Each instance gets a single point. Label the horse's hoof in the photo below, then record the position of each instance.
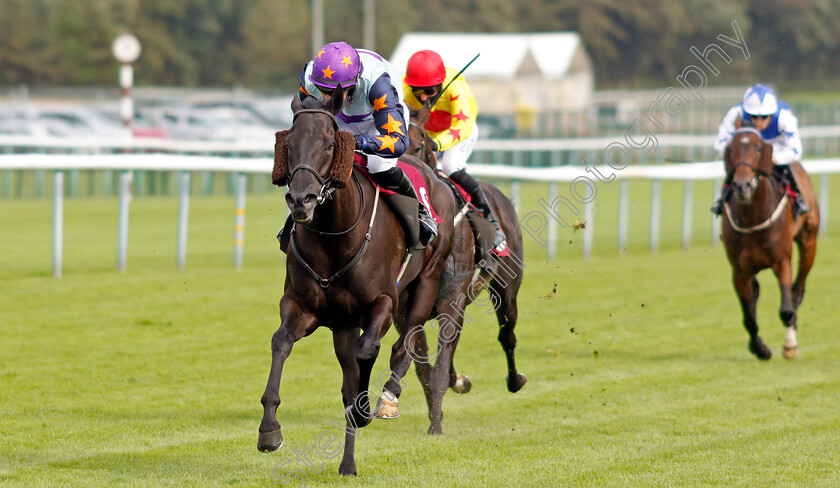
(514, 386)
(760, 350)
(270, 441)
(790, 352)
(347, 468)
(462, 384)
(435, 430)
(387, 409)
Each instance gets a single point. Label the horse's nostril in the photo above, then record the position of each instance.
(289, 200)
(310, 199)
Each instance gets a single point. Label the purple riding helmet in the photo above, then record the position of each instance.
(336, 63)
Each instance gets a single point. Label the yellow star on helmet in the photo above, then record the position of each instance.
(379, 103)
(393, 125)
(346, 61)
(328, 72)
(387, 142)
(321, 52)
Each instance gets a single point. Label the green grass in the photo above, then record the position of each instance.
(153, 377)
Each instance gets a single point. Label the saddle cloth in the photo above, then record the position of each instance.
(417, 181)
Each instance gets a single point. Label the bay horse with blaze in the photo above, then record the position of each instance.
(759, 230)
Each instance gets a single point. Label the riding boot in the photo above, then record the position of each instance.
(799, 205)
(396, 180)
(717, 207)
(470, 184)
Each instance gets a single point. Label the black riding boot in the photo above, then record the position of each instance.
(470, 184)
(788, 178)
(396, 180)
(717, 207)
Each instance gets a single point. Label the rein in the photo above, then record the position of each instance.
(428, 154)
(325, 282)
(758, 173)
(759, 227)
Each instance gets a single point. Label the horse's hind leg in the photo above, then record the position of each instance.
(807, 245)
(507, 312)
(747, 289)
(787, 312)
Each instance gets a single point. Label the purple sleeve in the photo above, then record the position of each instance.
(389, 120)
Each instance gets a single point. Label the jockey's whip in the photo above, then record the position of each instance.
(434, 100)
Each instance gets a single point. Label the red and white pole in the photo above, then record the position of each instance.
(126, 103)
(126, 49)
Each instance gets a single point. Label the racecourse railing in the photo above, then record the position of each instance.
(541, 225)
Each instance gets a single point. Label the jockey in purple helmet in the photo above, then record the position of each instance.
(778, 126)
(374, 113)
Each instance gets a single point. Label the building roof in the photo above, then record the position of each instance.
(502, 55)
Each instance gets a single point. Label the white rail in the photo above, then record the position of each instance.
(544, 233)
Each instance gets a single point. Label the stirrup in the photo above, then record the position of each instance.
(799, 205)
(428, 229)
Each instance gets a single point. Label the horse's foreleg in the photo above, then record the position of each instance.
(378, 320)
(746, 286)
(295, 324)
(344, 343)
(409, 344)
(507, 313)
(787, 312)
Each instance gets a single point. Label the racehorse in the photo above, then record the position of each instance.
(759, 230)
(343, 269)
(501, 276)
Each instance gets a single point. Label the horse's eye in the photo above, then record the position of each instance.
(330, 146)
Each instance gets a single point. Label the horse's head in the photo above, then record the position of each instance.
(746, 159)
(419, 142)
(313, 157)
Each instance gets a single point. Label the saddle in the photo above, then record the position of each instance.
(403, 207)
(483, 231)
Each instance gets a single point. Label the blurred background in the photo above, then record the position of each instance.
(224, 70)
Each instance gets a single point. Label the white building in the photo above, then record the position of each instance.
(523, 74)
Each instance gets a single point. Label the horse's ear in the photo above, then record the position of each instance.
(765, 164)
(343, 155)
(280, 173)
(337, 99)
(738, 123)
(296, 103)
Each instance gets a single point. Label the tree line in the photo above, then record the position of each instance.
(263, 44)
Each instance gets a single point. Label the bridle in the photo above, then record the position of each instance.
(758, 173)
(326, 193)
(427, 152)
(777, 212)
(327, 187)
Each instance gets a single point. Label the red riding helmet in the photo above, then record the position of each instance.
(425, 68)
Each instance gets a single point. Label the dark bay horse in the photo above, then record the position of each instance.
(463, 280)
(759, 229)
(343, 266)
